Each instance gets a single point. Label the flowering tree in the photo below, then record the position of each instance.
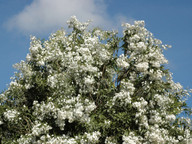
(75, 88)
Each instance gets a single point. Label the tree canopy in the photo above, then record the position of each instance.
(91, 86)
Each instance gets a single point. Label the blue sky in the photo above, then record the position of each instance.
(169, 21)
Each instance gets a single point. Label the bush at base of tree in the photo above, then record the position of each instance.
(75, 89)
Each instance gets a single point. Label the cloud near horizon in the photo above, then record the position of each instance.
(43, 16)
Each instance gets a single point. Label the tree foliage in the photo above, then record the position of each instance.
(93, 86)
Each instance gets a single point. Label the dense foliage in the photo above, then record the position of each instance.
(93, 86)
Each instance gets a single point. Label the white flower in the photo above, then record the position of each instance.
(1, 122)
(131, 139)
(170, 117)
(93, 137)
(121, 61)
(141, 46)
(89, 80)
(156, 64)
(110, 140)
(11, 114)
(135, 38)
(52, 80)
(107, 122)
(28, 57)
(142, 67)
(123, 96)
(40, 128)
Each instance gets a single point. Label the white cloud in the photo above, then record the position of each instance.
(43, 16)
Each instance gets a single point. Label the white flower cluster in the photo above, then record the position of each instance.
(71, 109)
(86, 138)
(110, 140)
(142, 47)
(1, 122)
(170, 118)
(131, 139)
(10, 115)
(122, 61)
(39, 128)
(92, 137)
(125, 94)
(140, 106)
(25, 69)
(162, 100)
(74, 23)
(143, 66)
(47, 139)
(3, 98)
